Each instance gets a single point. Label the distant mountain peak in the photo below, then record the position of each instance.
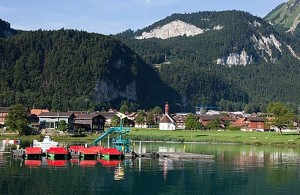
(174, 29)
(286, 16)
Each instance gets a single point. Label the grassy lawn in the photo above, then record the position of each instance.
(253, 138)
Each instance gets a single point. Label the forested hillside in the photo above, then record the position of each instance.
(75, 70)
(238, 59)
(229, 59)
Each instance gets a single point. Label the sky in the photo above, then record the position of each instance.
(114, 16)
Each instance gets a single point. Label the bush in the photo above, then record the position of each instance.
(233, 129)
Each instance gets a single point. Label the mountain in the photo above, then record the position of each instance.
(228, 59)
(286, 17)
(75, 70)
(216, 57)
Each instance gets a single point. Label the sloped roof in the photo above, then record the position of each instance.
(166, 119)
(108, 115)
(38, 111)
(239, 122)
(56, 114)
(256, 119)
(83, 122)
(88, 116)
(4, 109)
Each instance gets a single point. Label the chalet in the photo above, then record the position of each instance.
(239, 123)
(167, 122)
(108, 117)
(90, 122)
(204, 120)
(179, 119)
(3, 114)
(50, 120)
(33, 118)
(254, 124)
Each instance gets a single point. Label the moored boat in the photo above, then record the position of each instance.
(88, 153)
(111, 153)
(45, 144)
(57, 153)
(33, 153)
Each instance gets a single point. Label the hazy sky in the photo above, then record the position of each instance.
(113, 16)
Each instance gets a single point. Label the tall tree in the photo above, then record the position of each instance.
(192, 123)
(17, 119)
(282, 115)
(140, 117)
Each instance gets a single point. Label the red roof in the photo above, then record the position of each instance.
(33, 150)
(111, 151)
(38, 111)
(57, 150)
(88, 151)
(97, 148)
(75, 148)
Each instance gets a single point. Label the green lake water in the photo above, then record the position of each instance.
(235, 169)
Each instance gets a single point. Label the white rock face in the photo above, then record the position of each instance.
(236, 59)
(262, 44)
(106, 91)
(173, 29)
(292, 51)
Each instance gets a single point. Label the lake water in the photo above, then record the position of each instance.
(235, 169)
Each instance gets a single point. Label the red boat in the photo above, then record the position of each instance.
(88, 153)
(111, 153)
(57, 153)
(33, 153)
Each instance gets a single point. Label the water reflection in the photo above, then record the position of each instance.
(119, 173)
(234, 170)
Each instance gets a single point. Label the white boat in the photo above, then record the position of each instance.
(45, 144)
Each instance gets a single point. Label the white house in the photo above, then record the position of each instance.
(166, 122)
(50, 120)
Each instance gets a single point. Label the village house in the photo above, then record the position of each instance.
(205, 120)
(254, 124)
(179, 119)
(50, 120)
(108, 117)
(33, 118)
(167, 122)
(89, 122)
(3, 114)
